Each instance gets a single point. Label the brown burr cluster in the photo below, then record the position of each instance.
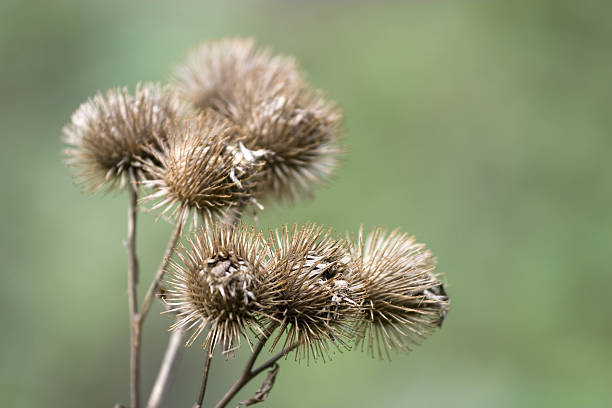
(238, 126)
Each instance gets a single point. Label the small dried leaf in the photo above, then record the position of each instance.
(262, 393)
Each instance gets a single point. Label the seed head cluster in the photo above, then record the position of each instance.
(274, 108)
(323, 293)
(238, 125)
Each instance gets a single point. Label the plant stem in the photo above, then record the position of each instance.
(248, 373)
(175, 344)
(135, 333)
(258, 347)
(154, 288)
(209, 357)
(172, 354)
(274, 359)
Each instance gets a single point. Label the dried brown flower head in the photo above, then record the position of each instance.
(404, 299)
(216, 281)
(215, 74)
(110, 133)
(318, 293)
(300, 129)
(201, 170)
(276, 110)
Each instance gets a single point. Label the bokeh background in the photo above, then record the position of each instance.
(483, 127)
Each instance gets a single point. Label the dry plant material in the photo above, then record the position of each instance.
(301, 130)
(215, 74)
(318, 291)
(275, 109)
(215, 282)
(199, 172)
(264, 390)
(405, 300)
(110, 133)
(240, 124)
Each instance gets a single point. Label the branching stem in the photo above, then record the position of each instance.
(155, 285)
(137, 319)
(273, 359)
(175, 344)
(248, 373)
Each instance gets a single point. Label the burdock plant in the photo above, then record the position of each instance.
(238, 126)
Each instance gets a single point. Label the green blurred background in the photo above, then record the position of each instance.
(483, 127)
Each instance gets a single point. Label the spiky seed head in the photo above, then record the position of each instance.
(274, 107)
(109, 133)
(318, 292)
(215, 73)
(405, 300)
(201, 170)
(302, 132)
(215, 282)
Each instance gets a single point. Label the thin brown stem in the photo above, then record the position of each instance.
(164, 376)
(175, 345)
(135, 333)
(155, 285)
(209, 356)
(248, 373)
(258, 347)
(241, 382)
(274, 359)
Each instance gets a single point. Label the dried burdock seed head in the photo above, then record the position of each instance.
(405, 300)
(201, 170)
(275, 109)
(318, 292)
(109, 134)
(215, 281)
(216, 73)
(301, 130)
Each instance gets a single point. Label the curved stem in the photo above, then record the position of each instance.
(135, 333)
(258, 347)
(209, 357)
(248, 373)
(154, 288)
(172, 354)
(274, 359)
(175, 345)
